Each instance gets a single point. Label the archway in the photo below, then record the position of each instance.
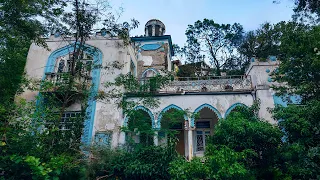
(233, 108)
(150, 72)
(148, 79)
(139, 123)
(205, 118)
(172, 129)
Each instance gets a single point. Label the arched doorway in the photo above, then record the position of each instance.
(205, 119)
(234, 108)
(140, 127)
(172, 128)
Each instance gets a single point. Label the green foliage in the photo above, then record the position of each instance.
(151, 162)
(218, 40)
(182, 169)
(261, 43)
(226, 163)
(34, 149)
(220, 162)
(300, 153)
(243, 132)
(300, 123)
(20, 25)
(305, 10)
(242, 147)
(300, 61)
(308, 5)
(296, 46)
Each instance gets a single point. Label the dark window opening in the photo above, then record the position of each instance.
(203, 124)
(157, 30)
(61, 66)
(177, 126)
(149, 30)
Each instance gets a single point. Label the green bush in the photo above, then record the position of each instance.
(182, 169)
(149, 162)
(225, 163)
(219, 163)
(243, 132)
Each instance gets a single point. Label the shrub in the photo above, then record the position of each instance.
(149, 162)
(182, 169)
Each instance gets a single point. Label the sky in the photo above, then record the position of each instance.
(177, 14)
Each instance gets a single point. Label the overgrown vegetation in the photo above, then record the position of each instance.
(243, 146)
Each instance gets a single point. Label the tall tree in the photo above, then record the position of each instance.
(217, 41)
(263, 42)
(307, 5)
(305, 10)
(300, 60)
(19, 25)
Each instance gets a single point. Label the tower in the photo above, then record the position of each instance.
(154, 27)
(154, 49)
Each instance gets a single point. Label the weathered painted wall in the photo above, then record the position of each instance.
(155, 54)
(262, 81)
(107, 116)
(221, 102)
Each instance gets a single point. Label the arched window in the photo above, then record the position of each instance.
(132, 68)
(61, 66)
(151, 72)
(52, 67)
(234, 108)
(82, 65)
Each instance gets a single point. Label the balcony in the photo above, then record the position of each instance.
(58, 88)
(208, 84)
(56, 81)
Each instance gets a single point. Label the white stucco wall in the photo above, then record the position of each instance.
(221, 102)
(260, 75)
(107, 116)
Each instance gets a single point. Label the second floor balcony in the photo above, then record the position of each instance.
(208, 84)
(204, 84)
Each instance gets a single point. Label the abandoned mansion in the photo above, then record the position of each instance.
(211, 97)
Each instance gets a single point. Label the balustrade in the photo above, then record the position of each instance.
(206, 84)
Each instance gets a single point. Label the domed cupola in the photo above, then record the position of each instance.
(154, 27)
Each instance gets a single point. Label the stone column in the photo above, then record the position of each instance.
(155, 138)
(156, 127)
(190, 138)
(153, 30)
(122, 138)
(190, 144)
(146, 31)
